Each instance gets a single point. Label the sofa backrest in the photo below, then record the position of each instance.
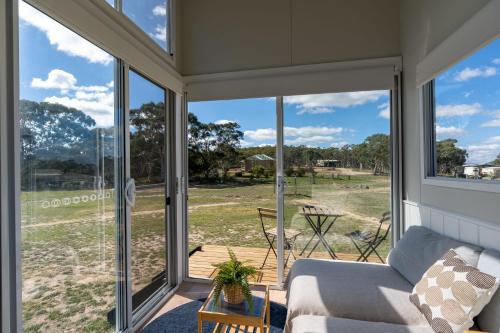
(489, 318)
(421, 247)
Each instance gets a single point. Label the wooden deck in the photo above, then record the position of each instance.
(201, 262)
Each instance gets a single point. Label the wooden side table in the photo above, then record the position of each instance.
(238, 318)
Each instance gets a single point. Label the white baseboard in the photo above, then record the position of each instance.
(463, 228)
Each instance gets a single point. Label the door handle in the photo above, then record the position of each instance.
(130, 192)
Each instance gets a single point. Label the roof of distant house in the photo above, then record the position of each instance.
(260, 157)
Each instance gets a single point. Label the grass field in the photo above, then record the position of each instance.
(69, 237)
(227, 214)
(69, 256)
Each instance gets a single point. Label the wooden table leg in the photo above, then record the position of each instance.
(268, 314)
(200, 324)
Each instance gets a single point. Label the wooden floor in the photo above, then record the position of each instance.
(201, 262)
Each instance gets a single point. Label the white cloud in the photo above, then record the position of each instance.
(451, 130)
(483, 152)
(95, 101)
(470, 73)
(261, 134)
(341, 100)
(315, 111)
(99, 108)
(307, 135)
(458, 110)
(56, 79)
(310, 131)
(160, 32)
(64, 39)
(495, 122)
(496, 61)
(491, 123)
(385, 110)
(310, 141)
(224, 121)
(160, 10)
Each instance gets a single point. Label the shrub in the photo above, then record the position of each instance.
(300, 172)
(289, 172)
(258, 171)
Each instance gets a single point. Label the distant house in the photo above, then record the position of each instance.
(472, 171)
(327, 163)
(260, 159)
(480, 171)
(491, 171)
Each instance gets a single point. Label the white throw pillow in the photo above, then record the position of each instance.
(451, 293)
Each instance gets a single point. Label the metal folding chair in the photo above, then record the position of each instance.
(290, 235)
(367, 242)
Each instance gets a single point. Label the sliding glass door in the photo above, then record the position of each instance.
(148, 174)
(337, 165)
(93, 179)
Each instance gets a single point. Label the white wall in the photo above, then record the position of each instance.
(424, 25)
(232, 35)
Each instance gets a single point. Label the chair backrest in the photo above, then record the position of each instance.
(382, 235)
(266, 213)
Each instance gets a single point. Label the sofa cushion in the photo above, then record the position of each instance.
(451, 293)
(322, 324)
(489, 318)
(421, 247)
(362, 291)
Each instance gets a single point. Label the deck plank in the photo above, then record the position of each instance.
(201, 262)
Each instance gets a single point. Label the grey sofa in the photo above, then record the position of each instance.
(344, 297)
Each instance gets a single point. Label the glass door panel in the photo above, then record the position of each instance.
(337, 174)
(147, 123)
(232, 164)
(69, 162)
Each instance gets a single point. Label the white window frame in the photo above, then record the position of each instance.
(427, 142)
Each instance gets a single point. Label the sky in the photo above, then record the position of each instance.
(468, 104)
(322, 120)
(59, 66)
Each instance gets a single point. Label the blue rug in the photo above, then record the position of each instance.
(184, 319)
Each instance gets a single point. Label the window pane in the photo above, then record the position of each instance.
(152, 16)
(337, 171)
(232, 164)
(68, 224)
(148, 168)
(467, 116)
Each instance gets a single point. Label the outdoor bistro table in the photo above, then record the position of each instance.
(239, 317)
(320, 220)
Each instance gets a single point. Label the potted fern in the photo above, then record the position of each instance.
(232, 278)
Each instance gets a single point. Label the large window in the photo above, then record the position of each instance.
(68, 186)
(152, 16)
(462, 118)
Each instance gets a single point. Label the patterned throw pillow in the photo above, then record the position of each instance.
(451, 293)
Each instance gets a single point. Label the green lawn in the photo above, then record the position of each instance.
(227, 215)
